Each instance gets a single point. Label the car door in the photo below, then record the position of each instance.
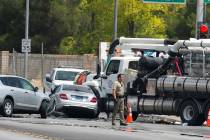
(16, 91)
(31, 98)
(111, 75)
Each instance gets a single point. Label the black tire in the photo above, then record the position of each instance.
(201, 119)
(7, 108)
(95, 114)
(206, 111)
(135, 115)
(189, 113)
(43, 110)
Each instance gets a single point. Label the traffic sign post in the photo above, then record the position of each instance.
(26, 45)
(166, 1)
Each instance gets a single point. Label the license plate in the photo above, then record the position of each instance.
(78, 98)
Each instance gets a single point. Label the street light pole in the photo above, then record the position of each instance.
(199, 15)
(115, 18)
(26, 37)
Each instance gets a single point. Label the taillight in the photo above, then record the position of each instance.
(63, 96)
(93, 100)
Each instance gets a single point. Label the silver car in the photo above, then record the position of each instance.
(18, 95)
(75, 100)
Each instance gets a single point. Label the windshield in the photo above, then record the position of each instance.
(65, 75)
(77, 88)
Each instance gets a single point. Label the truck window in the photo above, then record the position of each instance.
(133, 65)
(113, 67)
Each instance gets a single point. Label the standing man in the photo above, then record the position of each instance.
(118, 96)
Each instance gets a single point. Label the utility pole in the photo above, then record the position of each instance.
(26, 37)
(199, 16)
(115, 18)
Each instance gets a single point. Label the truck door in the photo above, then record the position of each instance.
(111, 73)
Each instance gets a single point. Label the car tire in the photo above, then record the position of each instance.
(43, 110)
(7, 108)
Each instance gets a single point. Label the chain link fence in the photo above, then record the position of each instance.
(41, 64)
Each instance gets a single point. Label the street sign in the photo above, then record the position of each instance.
(26, 45)
(206, 1)
(166, 1)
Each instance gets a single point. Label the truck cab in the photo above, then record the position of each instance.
(116, 66)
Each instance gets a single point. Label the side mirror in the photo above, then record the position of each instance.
(48, 78)
(36, 89)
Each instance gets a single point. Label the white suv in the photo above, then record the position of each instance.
(61, 75)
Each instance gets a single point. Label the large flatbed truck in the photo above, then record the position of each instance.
(178, 84)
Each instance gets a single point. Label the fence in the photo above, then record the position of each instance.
(39, 65)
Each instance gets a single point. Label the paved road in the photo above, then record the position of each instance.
(6, 134)
(85, 129)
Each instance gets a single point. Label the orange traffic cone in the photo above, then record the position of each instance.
(208, 119)
(129, 118)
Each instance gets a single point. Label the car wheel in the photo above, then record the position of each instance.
(43, 110)
(189, 113)
(7, 108)
(95, 114)
(51, 107)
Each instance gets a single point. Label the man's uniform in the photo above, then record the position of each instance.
(119, 104)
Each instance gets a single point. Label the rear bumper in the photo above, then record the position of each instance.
(75, 107)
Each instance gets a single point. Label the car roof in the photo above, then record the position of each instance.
(76, 86)
(69, 69)
(10, 76)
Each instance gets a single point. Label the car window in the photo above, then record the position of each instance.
(133, 65)
(26, 85)
(77, 88)
(13, 82)
(113, 67)
(65, 75)
(4, 80)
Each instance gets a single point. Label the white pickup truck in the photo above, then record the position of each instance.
(61, 75)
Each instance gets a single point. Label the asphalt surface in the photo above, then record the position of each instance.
(32, 127)
(6, 134)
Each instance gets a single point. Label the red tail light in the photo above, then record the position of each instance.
(63, 96)
(93, 100)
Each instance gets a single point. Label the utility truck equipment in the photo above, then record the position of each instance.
(176, 83)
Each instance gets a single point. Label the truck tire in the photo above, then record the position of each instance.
(7, 108)
(135, 115)
(189, 113)
(206, 111)
(43, 110)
